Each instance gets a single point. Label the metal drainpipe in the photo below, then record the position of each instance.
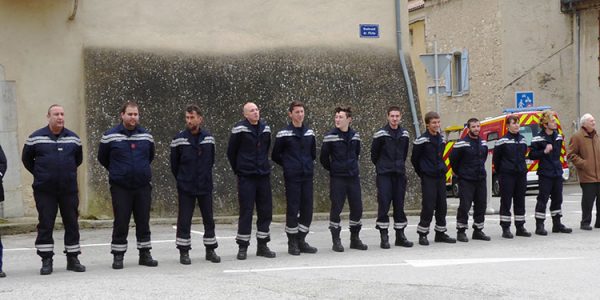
(578, 95)
(411, 97)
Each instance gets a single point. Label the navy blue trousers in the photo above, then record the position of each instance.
(125, 202)
(299, 213)
(391, 190)
(434, 202)
(512, 190)
(339, 189)
(187, 203)
(254, 190)
(471, 193)
(549, 188)
(47, 205)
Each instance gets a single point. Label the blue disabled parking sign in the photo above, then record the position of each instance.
(524, 99)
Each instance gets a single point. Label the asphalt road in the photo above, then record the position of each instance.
(557, 266)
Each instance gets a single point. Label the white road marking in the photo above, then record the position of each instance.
(412, 263)
(452, 262)
(312, 268)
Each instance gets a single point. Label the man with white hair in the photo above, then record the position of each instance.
(584, 149)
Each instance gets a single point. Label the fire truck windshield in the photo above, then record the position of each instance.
(529, 131)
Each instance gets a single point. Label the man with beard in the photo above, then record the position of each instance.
(388, 153)
(126, 151)
(295, 150)
(192, 160)
(52, 154)
(467, 160)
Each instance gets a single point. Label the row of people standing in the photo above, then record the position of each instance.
(53, 154)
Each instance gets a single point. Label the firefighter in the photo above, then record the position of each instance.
(509, 163)
(388, 153)
(248, 155)
(295, 150)
(192, 160)
(52, 154)
(126, 151)
(468, 163)
(427, 159)
(339, 155)
(2, 172)
(546, 148)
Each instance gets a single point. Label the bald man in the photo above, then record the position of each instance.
(248, 154)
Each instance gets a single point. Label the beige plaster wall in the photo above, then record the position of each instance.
(476, 26)
(42, 51)
(590, 65)
(538, 51)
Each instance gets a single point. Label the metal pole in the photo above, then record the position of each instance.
(436, 78)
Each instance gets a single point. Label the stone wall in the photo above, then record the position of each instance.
(367, 78)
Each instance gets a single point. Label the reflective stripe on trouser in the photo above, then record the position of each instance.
(512, 190)
(125, 202)
(391, 189)
(299, 199)
(339, 189)
(471, 192)
(187, 204)
(590, 193)
(47, 205)
(549, 188)
(434, 200)
(254, 190)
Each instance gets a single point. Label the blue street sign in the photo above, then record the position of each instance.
(369, 30)
(524, 99)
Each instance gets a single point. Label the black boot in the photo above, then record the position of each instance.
(2, 274)
(146, 259)
(212, 256)
(303, 245)
(479, 235)
(521, 231)
(557, 226)
(442, 237)
(597, 224)
(385, 240)
(73, 264)
(46, 266)
(335, 238)
(242, 252)
(263, 250)
(539, 227)
(506, 233)
(423, 239)
(293, 248)
(356, 243)
(461, 235)
(117, 261)
(184, 257)
(401, 239)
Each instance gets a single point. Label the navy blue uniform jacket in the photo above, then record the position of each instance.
(427, 155)
(388, 152)
(192, 160)
(127, 155)
(295, 150)
(509, 154)
(468, 157)
(340, 156)
(248, 149)
(53, 160)
(549, 165)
